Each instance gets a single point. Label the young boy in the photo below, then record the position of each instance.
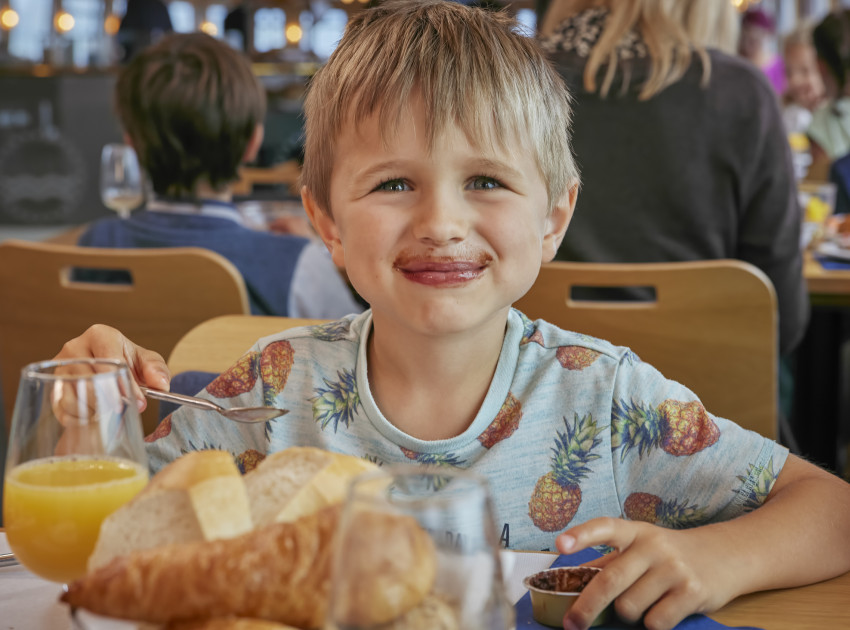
(193, 110)
(438, 173)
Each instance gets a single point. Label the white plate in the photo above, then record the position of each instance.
(85, 620)
(833, 250)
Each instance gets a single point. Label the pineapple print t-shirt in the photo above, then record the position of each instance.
(571, 428)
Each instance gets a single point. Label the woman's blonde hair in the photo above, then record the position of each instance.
(471, 67)
(673, 31)
(708, 23)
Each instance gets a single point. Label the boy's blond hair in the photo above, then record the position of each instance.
(471, 67)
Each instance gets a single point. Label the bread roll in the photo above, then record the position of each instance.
(299, 481)
(280, 572)
(390, 564)
(199, 496)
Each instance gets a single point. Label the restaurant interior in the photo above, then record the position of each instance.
(59, 63)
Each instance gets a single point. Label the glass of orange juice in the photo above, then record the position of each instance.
(76, 454)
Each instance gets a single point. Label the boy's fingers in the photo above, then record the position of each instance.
(669, 611)
(617, 577)
(148, 368)
(636, 599)
(105, 342)
(613, 532)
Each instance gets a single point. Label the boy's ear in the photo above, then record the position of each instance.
(254, 144)
(557, 222)
(325, 227)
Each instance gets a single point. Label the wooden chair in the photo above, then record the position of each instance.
(42, 307)
(216, 344)
(284, 173)
(712, 327)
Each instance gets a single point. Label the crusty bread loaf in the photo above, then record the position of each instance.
(200, 496)
(299, 481)
(280, 572)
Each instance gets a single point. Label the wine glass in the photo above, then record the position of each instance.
(120, 179)
(76, 454)
(418, 547)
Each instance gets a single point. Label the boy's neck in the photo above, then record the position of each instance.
(432, 388)
(204, 191)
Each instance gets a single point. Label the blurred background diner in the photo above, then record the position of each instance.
(719, 131)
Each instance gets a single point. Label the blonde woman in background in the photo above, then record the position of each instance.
(805, 89)
(681, 147)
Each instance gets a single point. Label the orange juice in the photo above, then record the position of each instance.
(53, 508)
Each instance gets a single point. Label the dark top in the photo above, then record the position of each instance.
(266, 261)
(693, 173)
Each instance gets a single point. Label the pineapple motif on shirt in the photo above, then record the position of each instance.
(248, 460)
(755, 495)
(672, 514)
(676, 427)
(530, 332)
(576, 357)
(448, 460)
(272, 366)
(331, 331)
(504, 424)
(336, 403)
(557, 494)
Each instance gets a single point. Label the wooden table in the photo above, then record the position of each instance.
(826, 286)
(822, 606)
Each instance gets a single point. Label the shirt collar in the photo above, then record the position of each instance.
(202, 207)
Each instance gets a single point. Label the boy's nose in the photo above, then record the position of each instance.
(441, 218)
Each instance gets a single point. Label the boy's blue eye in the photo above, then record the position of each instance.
(484, 183)
(392, 185)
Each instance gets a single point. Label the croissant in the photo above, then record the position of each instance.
(279, 572)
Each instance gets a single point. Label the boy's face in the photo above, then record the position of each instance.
(805, 86)
(439, 242)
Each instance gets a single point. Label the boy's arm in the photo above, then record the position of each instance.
(104, 342)
(797, 537)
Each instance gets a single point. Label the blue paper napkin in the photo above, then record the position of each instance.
(832, 263)
(525, 620)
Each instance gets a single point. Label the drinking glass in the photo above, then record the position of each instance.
(76, 454)
(120, 179)
(418, 547)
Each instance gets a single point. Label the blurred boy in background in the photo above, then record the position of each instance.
(193, 110)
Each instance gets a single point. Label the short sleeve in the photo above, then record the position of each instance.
(675, 463)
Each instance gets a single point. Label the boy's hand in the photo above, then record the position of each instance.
(104, 342)
(658, 575)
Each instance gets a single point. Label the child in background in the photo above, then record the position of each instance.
(193, 110)
(438, 173)
(829, 131)
(805, 90)
(757, 44)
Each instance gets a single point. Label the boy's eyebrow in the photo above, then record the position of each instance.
(499, 166)
(485, 165)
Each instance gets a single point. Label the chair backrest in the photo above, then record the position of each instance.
(712, 326)
(41, 306)
(216, 344)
